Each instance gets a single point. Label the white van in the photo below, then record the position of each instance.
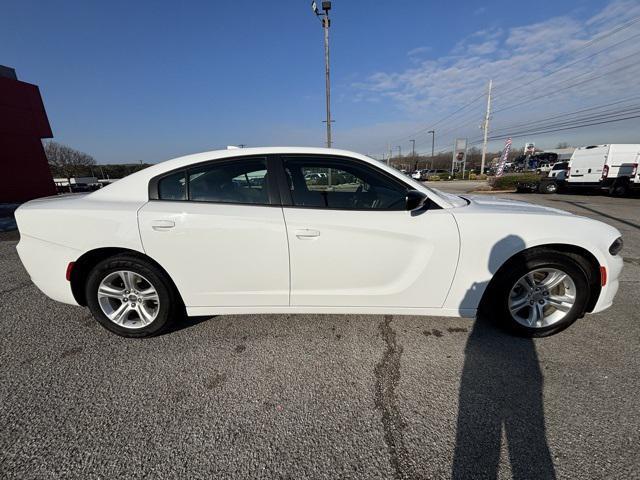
(620, 173)
(602, 165)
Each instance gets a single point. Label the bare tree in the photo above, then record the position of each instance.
(563, 145)
(67, 162)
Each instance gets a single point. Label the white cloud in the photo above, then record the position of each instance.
(521, 61)
(418, 51)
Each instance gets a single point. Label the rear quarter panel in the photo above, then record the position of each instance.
(81, 223)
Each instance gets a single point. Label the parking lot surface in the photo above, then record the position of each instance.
(311, 396)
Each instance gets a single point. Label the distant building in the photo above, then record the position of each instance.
(24, 171)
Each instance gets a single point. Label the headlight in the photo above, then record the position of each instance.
(616, 246)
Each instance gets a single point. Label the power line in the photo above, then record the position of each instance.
(591, 42)
(566, 65)
(566, 128)
(549, 94)
(595, 107)
(594, 116)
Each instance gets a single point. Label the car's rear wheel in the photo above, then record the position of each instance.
(540, 294)
(620, 187)
(131, 297)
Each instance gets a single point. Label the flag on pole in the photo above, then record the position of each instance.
(504, 157)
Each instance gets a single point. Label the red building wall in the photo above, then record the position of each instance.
(24, 171)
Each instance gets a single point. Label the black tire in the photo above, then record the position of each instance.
(548, 187)
(495, 304)
(619, 188)
(170, 305)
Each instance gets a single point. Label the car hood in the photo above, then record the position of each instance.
(453, 200)
(499, 205)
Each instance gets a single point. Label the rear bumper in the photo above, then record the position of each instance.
(608, 292)
(46, 263)
(633, 182)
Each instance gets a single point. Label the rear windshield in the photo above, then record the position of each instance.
(560, 166)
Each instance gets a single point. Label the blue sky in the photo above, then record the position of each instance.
(130, 81)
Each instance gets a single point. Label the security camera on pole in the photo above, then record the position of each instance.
(324, 18)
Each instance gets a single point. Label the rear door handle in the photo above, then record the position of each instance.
(162, 225)
(306, 233)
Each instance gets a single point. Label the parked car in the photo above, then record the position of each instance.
(556, 179)
(613, 167)
(544, 167)
(186, 237)
(559, 171)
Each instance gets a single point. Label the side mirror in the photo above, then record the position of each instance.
(415, 200)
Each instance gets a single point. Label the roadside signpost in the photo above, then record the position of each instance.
(459, 155)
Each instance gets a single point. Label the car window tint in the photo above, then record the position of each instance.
(337, 183)
(239, 181)
(173, 187)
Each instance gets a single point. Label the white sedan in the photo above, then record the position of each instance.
(311, 230)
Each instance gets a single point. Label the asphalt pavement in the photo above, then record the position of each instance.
(322, 396)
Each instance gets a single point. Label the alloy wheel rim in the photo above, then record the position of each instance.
(128, 299)
(542, 298)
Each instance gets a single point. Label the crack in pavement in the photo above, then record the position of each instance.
(20, 286)
(387, 375)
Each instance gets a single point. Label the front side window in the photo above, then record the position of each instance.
(239, 181)
(340, 183)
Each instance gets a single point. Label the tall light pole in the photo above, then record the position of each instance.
(326, 23)
(433, 144)
(413, 154)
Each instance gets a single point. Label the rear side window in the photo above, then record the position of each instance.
(173, 187)
(240, 181)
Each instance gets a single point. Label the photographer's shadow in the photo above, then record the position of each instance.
(500, 390)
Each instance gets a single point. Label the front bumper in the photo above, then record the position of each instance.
(614, 267)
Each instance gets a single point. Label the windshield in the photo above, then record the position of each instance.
(560, 166)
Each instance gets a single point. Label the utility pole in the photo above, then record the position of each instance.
(486, 128)
(326, 22)
(389, 157)
(413, 154)
(433, 144)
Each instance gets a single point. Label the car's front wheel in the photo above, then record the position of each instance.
(131, 297)
(540, 294)
(548, 186)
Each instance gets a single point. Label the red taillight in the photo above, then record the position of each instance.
(635, 170)
(605, 171)
(568, 172)
(603, 276)
(69, 270)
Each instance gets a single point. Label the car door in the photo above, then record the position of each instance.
(218, 230)
(353, 243)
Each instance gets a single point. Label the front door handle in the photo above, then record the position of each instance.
(162, 225)
(306, 233)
